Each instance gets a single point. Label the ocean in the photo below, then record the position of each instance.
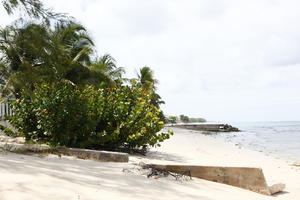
(278, 139)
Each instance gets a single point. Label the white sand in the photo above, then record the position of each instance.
(31, 177)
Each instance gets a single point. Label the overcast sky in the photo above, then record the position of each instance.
(225, 61)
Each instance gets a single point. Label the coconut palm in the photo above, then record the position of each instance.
(34, 52)
(104, 69)
(148, 82)
(75, 48)
(146, 78)
(75, 40)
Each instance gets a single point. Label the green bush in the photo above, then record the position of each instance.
(24, 118)
(126, 118)
(112, 118)
(62, 113)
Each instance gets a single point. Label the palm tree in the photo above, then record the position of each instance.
(74, 38)
(146, 78)
(148, 82)
(34, 53)
(75, 48)
(104, 69)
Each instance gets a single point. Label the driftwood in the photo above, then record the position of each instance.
(164, 173)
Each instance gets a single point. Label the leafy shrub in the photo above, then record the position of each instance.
(63, 114)
(126, 118)
(24, 118)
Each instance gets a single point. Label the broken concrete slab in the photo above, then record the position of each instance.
(24, 148)
(276, 188)
(103, 156)
(243, 177)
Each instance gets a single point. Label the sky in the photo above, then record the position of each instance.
(224, 60)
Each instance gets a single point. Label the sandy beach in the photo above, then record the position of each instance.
(33, 177)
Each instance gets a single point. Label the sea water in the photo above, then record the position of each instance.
(279, 139)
